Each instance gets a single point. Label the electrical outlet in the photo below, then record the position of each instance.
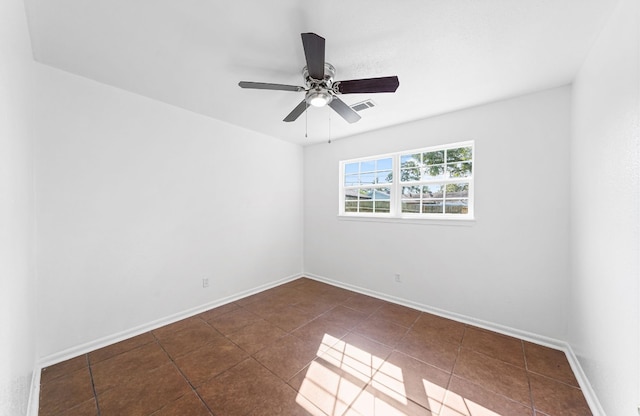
(205, 282)
(397, 278)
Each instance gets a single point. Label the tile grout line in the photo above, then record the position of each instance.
(93, 385)
(464, 333)
(183, 376)
(526, 369)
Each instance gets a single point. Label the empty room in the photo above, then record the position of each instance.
(343, 208)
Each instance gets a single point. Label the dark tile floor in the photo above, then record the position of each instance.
(307, 348)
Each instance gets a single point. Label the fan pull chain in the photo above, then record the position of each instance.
(306, 120)
(329, 142)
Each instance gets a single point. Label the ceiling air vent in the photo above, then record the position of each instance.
(363, 105)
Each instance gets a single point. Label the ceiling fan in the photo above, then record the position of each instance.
(320, 88)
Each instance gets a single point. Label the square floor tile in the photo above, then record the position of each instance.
(381, 330)
(116, 370)
(344, 317)
(467, 398)
(357, 353)
(88, 408)
(363, 303)
(187, 405)
(240, 389)
(288, 356)
(283, 400)
(65, 392)
(329, 388)
(170, 329)
(406, 378)
(220, 310)
(256, 336)
(320, 332)
(313, 306)
(207, 362)
(144, 393)
(190, 339)
(234, 320)
(430, 326)
(555, 398)
(495, 345)
(63, 368)
(373, 402)
(120, 347)
(549, 362)
(494, 375)
(398, 314)
(287, 318)
(434, 351)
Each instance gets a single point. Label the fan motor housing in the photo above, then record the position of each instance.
(318, 90)
(329, 73)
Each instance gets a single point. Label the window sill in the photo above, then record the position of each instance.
(455, 222)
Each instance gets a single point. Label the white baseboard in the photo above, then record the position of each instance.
(72, 352)
(587, 390)
(581, 377)
(132, 332)
(583, 381)
(34, 393)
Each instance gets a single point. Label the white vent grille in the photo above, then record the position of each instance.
(363, 105)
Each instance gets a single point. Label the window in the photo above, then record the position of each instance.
(434, 182)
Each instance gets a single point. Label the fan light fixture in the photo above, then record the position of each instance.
(320, 88)
(318, 98)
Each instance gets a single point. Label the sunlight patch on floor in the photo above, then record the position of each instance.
(344, 375)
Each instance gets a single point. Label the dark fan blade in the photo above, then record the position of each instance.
(267, 86)
(344, 110)
(369, 85)
(296, 112)
(314, 53)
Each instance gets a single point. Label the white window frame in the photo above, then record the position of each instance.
(396, 187)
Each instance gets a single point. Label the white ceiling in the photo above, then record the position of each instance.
(448, 54)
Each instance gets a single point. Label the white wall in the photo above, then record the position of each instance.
(604, 324)
(17, 289)
(137, 201)
(510, 266)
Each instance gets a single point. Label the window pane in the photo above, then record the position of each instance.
(385, 176)
(433, 191)
(457, 206)
(366, 206)
(411, 206)
(367, 178)
(412, 174)
(384, 164)
(411, 192)
(366, 194)
(459, 170)
(350, 168)
(457, 190)
(458, 155)
(382, 206)
(428, 181)
(382, 194)
(408, 161)
(351, 194)
(432, 172)
(368, 166)
(432, 207)
(433, 158)
(351, 180)
(351, 206)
